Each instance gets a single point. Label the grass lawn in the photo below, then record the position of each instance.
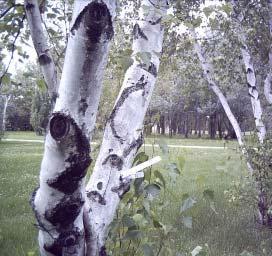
(227, 229)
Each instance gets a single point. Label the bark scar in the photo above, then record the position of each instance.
(140, 85)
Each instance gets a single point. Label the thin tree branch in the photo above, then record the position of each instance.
(12, 49)
(9, 8)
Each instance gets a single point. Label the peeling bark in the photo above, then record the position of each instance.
(268, 80)
(123, 132)
(263, 202)
(250, 75)
(58, 202)
(39, 40)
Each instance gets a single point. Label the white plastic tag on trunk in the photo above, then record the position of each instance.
(136, 171)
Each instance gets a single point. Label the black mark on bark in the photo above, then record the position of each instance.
(65, 240)
(156, 21)
(249, 70)
(151, 68)
(138, 32)
(44, 59)
(77, 160)
(96, 197)
(135, 144)
(66, 211)
(140, 85)
(59, 126)
(96, 19)
(115, 161)
(29, 6)
(99, 185)
(83, 105)
(122, 189)
(103, 251)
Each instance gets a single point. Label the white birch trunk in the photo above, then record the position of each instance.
(7, 99)
(58, 202)
(208, 73)
(250, 75)
(263, 200)
(40, 43)
(268, 80)
(123, 132)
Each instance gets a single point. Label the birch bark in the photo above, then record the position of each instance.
(7, 99)
(208, 73)
(58, 202)
(250, 75)
(263, 197)
(268, 80)
(39, 41)
(123, 132)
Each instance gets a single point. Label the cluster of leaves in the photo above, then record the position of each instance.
(261, 160)
(138, 228)
(40, 110)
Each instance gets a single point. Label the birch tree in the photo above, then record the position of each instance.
(208, 74)
(268, 80)
(58, 202)
(250, 73)
(39, 40)
(123, 132)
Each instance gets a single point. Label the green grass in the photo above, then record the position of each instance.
(22, 135)
(228, 231)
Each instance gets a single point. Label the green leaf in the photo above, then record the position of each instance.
(187, 221)
(172, 167)
(227, 8)
(152, 191)
(140, 158)
(139, 219)
(157, 224)
(132, 235)
(187, 204)
(160, 177)
(144, 58)
(147, 249)
(208, 194)
(6, 79)
(125, 62)
(41, 85)
(207, 11)
(139, 186)
(128, 221)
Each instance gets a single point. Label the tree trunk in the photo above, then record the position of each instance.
(7, 99)
(207, 69)
(123, 132)
(268, 80)
(219, 125)
(263, 202)
(250, 75)
(58, 202)
(43, 51)
(212, 126)
(162, 124)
